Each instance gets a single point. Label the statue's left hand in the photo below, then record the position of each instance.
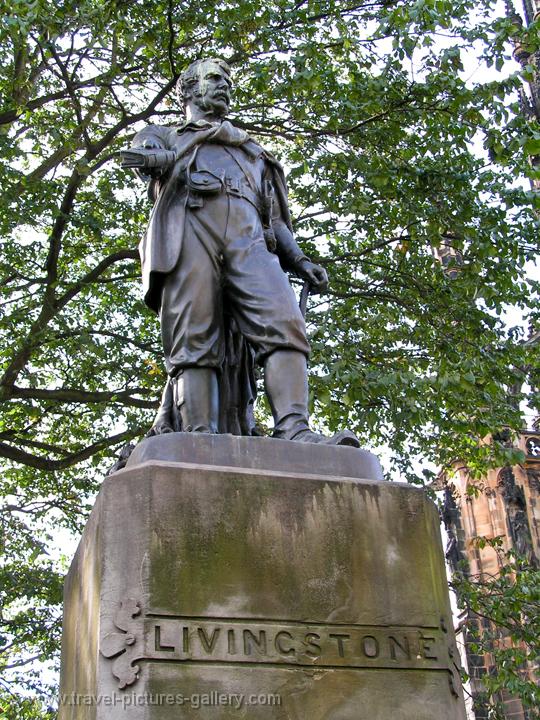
(314, 274)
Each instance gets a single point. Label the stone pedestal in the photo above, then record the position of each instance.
(273, 581)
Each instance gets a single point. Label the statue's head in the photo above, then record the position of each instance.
(206, 84)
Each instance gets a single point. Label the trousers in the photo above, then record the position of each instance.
(225, 267)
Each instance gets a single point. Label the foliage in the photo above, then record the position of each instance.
(367, 105)
(14, 707)
(504, 624)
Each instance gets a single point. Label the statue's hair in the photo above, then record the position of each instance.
(190, 78)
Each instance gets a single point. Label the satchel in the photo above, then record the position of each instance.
(204, 182)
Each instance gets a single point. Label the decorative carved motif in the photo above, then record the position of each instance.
(533, 477)
(125, 646)
(452, 551)
(511, 492)
(516, 512)
(450, 517)
(533, 446)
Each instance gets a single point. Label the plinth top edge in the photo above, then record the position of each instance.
(258, 453)
(254, 472)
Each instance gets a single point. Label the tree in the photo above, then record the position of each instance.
(367, 106)
(503, 621)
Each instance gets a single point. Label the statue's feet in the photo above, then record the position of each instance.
(344, 437)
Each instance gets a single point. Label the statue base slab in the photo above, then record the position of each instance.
(204, 590)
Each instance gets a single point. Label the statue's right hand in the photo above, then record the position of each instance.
(133, 157)
(147, 158)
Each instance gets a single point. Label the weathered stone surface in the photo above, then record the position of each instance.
(197, 588)
(258, 453)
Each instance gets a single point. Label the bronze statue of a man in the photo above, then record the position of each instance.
(214, 257)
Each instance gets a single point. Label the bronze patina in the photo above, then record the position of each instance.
(215, 258)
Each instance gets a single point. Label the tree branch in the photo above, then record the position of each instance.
(93, 274)
(147, 347)
(170, 46)
(51, 304)
(9, 116)
(43, 463)
(73, 395)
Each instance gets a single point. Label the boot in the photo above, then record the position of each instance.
(285, 381)
(164, 420)
(196, 398)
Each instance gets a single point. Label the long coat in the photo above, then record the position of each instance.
(161, 245)
(162, 242)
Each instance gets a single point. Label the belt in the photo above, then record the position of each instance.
(236, 188)
(231, 186)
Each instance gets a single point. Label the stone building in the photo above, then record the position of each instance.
(507, 506)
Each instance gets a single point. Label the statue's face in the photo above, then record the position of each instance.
(213, 93)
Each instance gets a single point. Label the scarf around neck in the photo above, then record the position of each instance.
(200, 132)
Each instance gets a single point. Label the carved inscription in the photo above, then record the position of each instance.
(269, 642)
(156, 637)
